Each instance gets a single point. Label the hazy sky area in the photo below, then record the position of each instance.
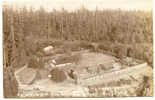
(90, 4)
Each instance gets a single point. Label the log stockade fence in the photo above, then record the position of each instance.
(114, 76)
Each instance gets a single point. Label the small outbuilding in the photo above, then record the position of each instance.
(48, 50)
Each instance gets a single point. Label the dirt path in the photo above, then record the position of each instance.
(17, 71)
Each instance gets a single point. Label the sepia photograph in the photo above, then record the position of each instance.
(77, 48)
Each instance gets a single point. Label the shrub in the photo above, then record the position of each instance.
(34, 63)
(58, 75)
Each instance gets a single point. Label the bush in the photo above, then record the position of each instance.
(56, 43)
(104, 46)
(58, 75)
(34, 63)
